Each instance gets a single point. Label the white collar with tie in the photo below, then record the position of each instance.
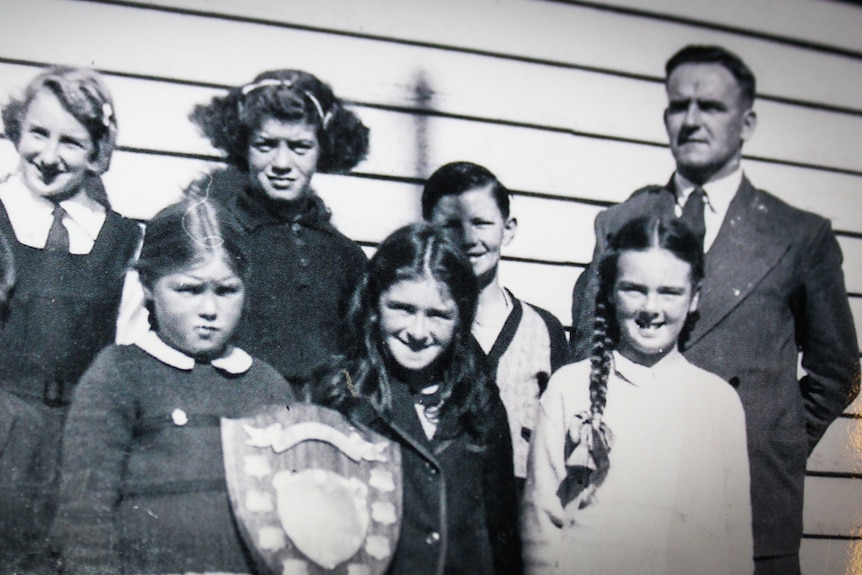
(718, 195)
(31, 216)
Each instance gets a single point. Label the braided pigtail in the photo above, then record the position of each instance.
(600, 360)
(588, 439)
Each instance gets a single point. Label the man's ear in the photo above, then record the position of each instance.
(509, 230)
(695, 299)
(749, 123)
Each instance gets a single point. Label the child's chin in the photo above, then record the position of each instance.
(209, 351)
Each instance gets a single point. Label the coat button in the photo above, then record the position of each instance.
(179, 417)
(432, 538)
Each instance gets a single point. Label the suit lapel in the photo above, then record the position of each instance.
(749, 244)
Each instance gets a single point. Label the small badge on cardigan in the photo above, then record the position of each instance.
(179, 417)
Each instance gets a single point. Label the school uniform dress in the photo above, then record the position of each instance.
(302, 274)
(530, 346)
(143, 486)
(460, 504)
(62, 312)
(676, 498)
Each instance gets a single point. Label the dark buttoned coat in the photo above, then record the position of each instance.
(460, 500)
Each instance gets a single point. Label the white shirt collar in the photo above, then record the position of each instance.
(31, 216)
(234, 361)
(641, 375)
(719, 192)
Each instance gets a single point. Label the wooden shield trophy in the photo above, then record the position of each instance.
(313, 493)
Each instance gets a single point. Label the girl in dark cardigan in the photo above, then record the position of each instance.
(143, 486)
(277, 132)
(412, 373)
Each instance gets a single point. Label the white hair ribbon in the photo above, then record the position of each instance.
(267, 82)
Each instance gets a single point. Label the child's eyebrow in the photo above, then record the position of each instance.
(193, 277)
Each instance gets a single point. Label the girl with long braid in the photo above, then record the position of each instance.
(639, 460)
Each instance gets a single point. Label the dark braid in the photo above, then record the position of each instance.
(600, 359)
(586, 471)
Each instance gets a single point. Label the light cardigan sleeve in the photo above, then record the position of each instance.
(542, 516)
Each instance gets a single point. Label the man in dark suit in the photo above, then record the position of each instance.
(774, 287)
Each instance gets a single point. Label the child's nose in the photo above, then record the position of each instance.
(468, 234)
(417, 329)
(208, 305)
(49, 153)
(651, 303)
(282, 159)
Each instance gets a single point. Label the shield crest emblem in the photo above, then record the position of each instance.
(312, 492)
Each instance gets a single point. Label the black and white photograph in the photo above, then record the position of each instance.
(293, 287)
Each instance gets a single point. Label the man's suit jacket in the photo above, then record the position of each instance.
(774, 286)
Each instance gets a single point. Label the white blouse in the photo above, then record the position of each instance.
(676, 498)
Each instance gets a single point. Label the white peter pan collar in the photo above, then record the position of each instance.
(235, 361)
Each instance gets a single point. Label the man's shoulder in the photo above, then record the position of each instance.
(780, 211)
(643, 201)
(774, 220)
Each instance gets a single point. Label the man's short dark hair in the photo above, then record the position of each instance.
(694, 54)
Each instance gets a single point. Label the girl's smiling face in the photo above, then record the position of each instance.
(418, 318)
(198, 308)
(282, 158)
(57, 151)
(653, 296)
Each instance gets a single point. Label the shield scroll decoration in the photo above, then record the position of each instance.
(313, 493)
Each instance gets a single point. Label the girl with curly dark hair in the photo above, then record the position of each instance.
(413, 373)
(277, 132)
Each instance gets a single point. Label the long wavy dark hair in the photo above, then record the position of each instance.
(413, 252)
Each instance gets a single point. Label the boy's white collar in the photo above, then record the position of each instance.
(234, 361)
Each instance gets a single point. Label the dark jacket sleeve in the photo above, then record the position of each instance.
(98, 431)
(584, 297)
(826, 335)
(501, 494)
